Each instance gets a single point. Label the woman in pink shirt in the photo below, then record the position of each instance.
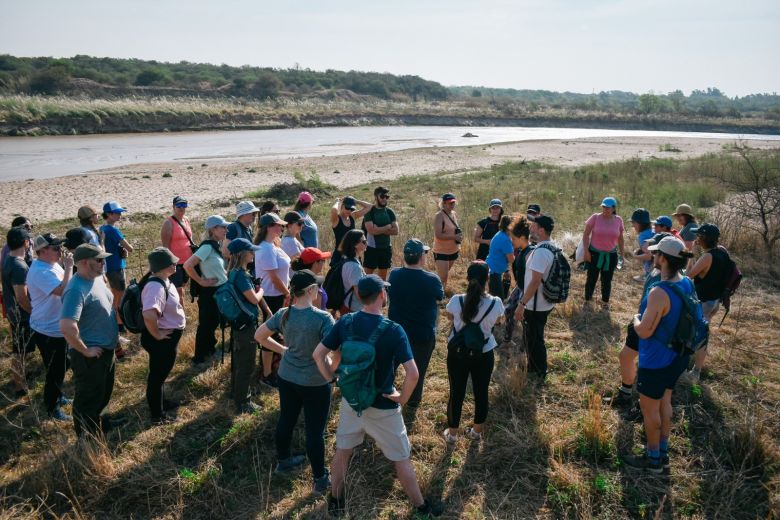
(164, 323)
(603, 243)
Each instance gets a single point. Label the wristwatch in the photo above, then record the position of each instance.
(332, 381)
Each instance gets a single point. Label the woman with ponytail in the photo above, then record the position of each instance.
(500, 257)
(477, 307)
(300, 383)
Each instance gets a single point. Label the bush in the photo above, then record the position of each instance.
(49, 81)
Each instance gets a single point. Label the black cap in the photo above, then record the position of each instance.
(380, 190)
(545, 222)
(534, 208)
(707, 230)
(349, 203)
(293, 217)
(75, 237)
(640, 216)
(302, 279)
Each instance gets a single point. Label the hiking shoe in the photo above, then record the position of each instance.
(291, 463)
(449, 438)
(621, 400)
(473, 434)
(58, 415)
(665, 461)
(633, 414)
(322, 484)
(270, 380)
(638, 278)
(64, 401)
(249, 407)
(690, 377)
(645, 463)
(430, 508)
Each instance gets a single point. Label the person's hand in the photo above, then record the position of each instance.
(586, 257)
(395, 396)
(519, 312)
(67, 260)
(163, 334)
(287, 299)
(209, 282)
(93, 352)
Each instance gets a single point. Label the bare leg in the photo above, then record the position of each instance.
(443, 270)
(698, 359)
(627, 359)
(267, 357)
(666, 414)
(338, 468)
(382, 273)
(651, 411)
(408, 478)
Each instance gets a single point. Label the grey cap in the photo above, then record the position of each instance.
(216, 221)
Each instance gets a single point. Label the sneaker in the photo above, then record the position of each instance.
(123, 341)
(163, 419)
(644, 462)
(633, 414)
(690, 377)
(249, 407)
(119, 352)
(430, 508)
(58, 415)
(621, 400)
(64, 401)
(291, 463)
(322, 484)
(473, 434)
(170, 404)
(665, 461)
(638, 278)
(270, 381)
(449, 438)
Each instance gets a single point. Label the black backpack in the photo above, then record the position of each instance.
(131, 308)
(334, 285)
(734, 278)
(469, 341)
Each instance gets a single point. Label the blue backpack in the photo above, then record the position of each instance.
(234, 309)
(693, 331)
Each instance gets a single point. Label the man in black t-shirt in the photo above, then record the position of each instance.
(380, 224)
(17, 303)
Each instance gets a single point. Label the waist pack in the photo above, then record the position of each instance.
(356, 370)
(469, 341)
(131, 307)
(692, 331)
(232, 306)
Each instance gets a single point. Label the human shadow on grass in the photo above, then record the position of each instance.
(593, 328)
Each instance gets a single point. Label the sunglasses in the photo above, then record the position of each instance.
(364, 241)
(385, 197)
(181, 205)
(99, 260)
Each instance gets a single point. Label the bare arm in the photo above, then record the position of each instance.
(67, 266)
(70, 329)
(263, 336)
(478, 235)
(150, 320)
(586, 241)
(126, 245)
(166, 234)
(393, 228)
(410, 382)
(364, 208)
(22, 297)
(325, 364)
(657, 308)
(528, 293)
(334, 213)
(701, 267)
(621, 244)
(252, 296)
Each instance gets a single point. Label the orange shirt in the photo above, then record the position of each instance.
(446, 246)
(180, 244)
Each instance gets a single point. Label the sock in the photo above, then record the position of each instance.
(664, 446)
(654, 455)
(626, 389)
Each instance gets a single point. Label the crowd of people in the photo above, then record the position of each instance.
(62, 296)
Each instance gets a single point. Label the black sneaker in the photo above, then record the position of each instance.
(249, 407)
(633, 414)
(322, 484)
(291, 463)
(644, 462)
(270, 381)
(336, 506)
(429, 508)
(665, 461)
(621, 400)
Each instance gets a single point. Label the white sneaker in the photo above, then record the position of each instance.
(448, 437)
(123, 340)
(473, 434)
(690, 377)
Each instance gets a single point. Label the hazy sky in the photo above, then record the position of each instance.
(576, 45)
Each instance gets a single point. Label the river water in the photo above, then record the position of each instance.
(46, 157)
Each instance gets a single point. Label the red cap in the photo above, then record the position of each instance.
(305, 197)
(312, 254)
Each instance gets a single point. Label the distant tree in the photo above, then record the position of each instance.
(677, 99)
(267, 85)
(150, 77)
(51, 80)
(476, 93)
(649, 103)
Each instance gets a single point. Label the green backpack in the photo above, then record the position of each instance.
(357, 367)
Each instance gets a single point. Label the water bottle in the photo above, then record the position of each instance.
(620, 263)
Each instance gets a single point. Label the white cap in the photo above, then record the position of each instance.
(669, 246)
(246, 207)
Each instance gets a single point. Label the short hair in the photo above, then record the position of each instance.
(14, 240)
(19, 221)
(368, 299)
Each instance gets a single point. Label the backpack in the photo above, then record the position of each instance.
(356, 370)
(692, 331)
(469, 340)
(556, 287)
(232, 306)
(732, 284)
(333, 285)
(131, 308)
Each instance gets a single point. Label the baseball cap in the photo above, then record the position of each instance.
(304, 279)
(609, 202)
(46, 240)
(245, 207)
(75, 237)
(371, 284)
(683, 209)
(380, 190)
(305, 197)
(707, 230)
(349, 203)
(86, 251)
(669, 246)
(160, 258)
(216, 221)
(414, 248)
(495, 202)
(448, 197)
(663, 220)
(311, 254)
(478, 270)
(293, 217)
(17, 235)
(545, 222)
(113, 206)
(241, 244)
(85, 212)
(657, 238)
(180, 201)
(271, 218)
(640, 216)
(534, 208)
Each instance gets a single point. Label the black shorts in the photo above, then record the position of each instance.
(654, 382)
(180, 277)
(632, 340)
(446, 257)
(116, 280)
(21, 338)
(378, 258)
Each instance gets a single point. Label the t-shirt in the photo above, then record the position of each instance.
(605, 232)
(392, 349)
(454, 308)
(271, 258)
(309, 232)
(380, 217)
(414, 296)
(237, 230)
(500, 246)
(242, 281)
(170, 313)
(539, 260)
(212, 265)
(111, 239)
(647, 234)
(303, 331)
(90, 303)
(351, 272)
(14, 273)
(94, 239)
(291, 246)
(42, 279)
(687, 234)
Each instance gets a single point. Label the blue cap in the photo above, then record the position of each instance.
(415, 247)
(113, 206)
(241, 244)
(663, 220)
(371, 284)
(495, 202)
(216, 221)
(609, 202)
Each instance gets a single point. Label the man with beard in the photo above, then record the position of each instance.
(379, 224)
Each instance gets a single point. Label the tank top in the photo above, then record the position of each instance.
(341, 229)
(711, 287)
(489, 230)
(653, 351)
(180, 244)
(442, 245)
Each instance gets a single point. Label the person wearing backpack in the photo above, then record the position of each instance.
(383, 344)
(603, 244)
(710, 274)
(301, 385)
(353, 246)
(164, 323)
(244, 354)
(176, 235)
(212, 274)
(660, 365)
(473, 310)
(519, 232)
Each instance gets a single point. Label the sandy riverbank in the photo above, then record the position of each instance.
(142, 187)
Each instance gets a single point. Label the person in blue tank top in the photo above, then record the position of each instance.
(659, 365)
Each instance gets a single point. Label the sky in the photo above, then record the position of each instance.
(563, 45)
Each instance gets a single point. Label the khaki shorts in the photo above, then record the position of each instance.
(386, 427)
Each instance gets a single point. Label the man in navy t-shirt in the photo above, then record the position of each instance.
(414, 296)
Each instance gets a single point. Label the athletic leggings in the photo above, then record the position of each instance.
(606, 276)
(458, 372)
(162, 357)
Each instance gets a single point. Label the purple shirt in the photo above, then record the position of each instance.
(170, 313)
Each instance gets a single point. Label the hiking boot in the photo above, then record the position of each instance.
(449, 438)
(58, 415)
(430, 508)
(290, 463)
(633, 414)
(64, 401)
(322, 484)
(645, 463)
(249, 407)
(270, 380)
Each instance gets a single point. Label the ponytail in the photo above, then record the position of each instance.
(474, 292)
(503, 224)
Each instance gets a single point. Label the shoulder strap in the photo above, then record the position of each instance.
(383, 326)
(450, 219)
(490, 308)
(188, 235)
(161, 282)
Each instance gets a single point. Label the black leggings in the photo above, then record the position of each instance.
(606, 276)
(458, 372)
(315, 401)
(208, 322)
(55, 361)
(162, 357)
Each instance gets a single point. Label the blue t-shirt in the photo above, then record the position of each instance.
(111, 239)
(647, 234)
(90, 303)
(500, 246)
(392, 349)
(309, 232)
(653, 351)
(237, 230)
(414, 296)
